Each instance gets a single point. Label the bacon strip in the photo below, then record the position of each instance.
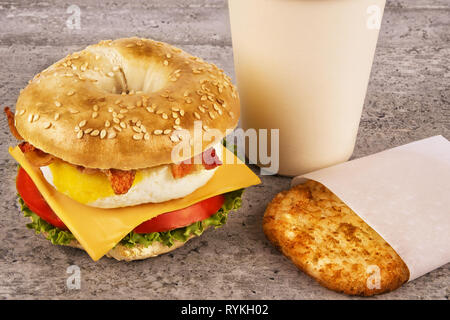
(35, 156)
(12, 127)
(210, 160)
(121, 181)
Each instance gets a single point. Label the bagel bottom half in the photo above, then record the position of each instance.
(137, 252)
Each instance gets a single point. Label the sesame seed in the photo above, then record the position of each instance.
(57, 103)
(95, 107)
(136, 129)
(196, 115)
(182, 113)
(82, 123)
(112, 134)
(137, 136)
(188, 100)
(107, 124)
(73, 111)
(117, 101)
(204, 98)
(201, 109)
(174, 115)
(21, 112)
(166, 62)
(102, 134)
(123, 111)
(116, 127)
(216, 107)
(110, 109)
(94, 114)
(110, 74)
(174, 138)
(177, 127)
(97, 57)
(56, 116)
(146, 136)
(231, 114)
(80, 134)
(95, 133)
(164, 116)
(205, 127)
(150, 109)
(167, 131)
(130, 45)
(35, 117)
(116, 120)
(47, 125)
(211, 115)
(220, 112)
(116, 68)
(175, 109)
(157, 132)
(123, 125)
(177, 121)
(88, 130)
(120, 116)
(169, 55)
(30, 118)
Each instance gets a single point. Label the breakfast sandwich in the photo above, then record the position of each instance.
(120, 149)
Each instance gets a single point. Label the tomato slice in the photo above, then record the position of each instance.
(164, 222)
(34, 200)
(183, 217)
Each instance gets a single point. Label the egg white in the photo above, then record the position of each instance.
(157, 185)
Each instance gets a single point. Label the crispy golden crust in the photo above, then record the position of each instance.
(75, 109)
(328, 241)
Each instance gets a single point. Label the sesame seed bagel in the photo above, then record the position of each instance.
(117, 104)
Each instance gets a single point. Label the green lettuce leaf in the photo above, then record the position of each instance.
(54, 234)
(233, 201)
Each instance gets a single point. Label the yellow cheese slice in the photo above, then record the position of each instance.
(99, 230)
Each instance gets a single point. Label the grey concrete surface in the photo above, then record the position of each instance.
(408, 99)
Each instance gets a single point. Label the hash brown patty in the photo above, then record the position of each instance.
(325, 239)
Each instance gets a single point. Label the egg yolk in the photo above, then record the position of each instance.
(82, 187)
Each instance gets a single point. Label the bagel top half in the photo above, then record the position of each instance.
(117, 104)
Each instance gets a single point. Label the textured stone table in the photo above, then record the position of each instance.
(408, 99)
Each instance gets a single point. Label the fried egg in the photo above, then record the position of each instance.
(155, 185)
